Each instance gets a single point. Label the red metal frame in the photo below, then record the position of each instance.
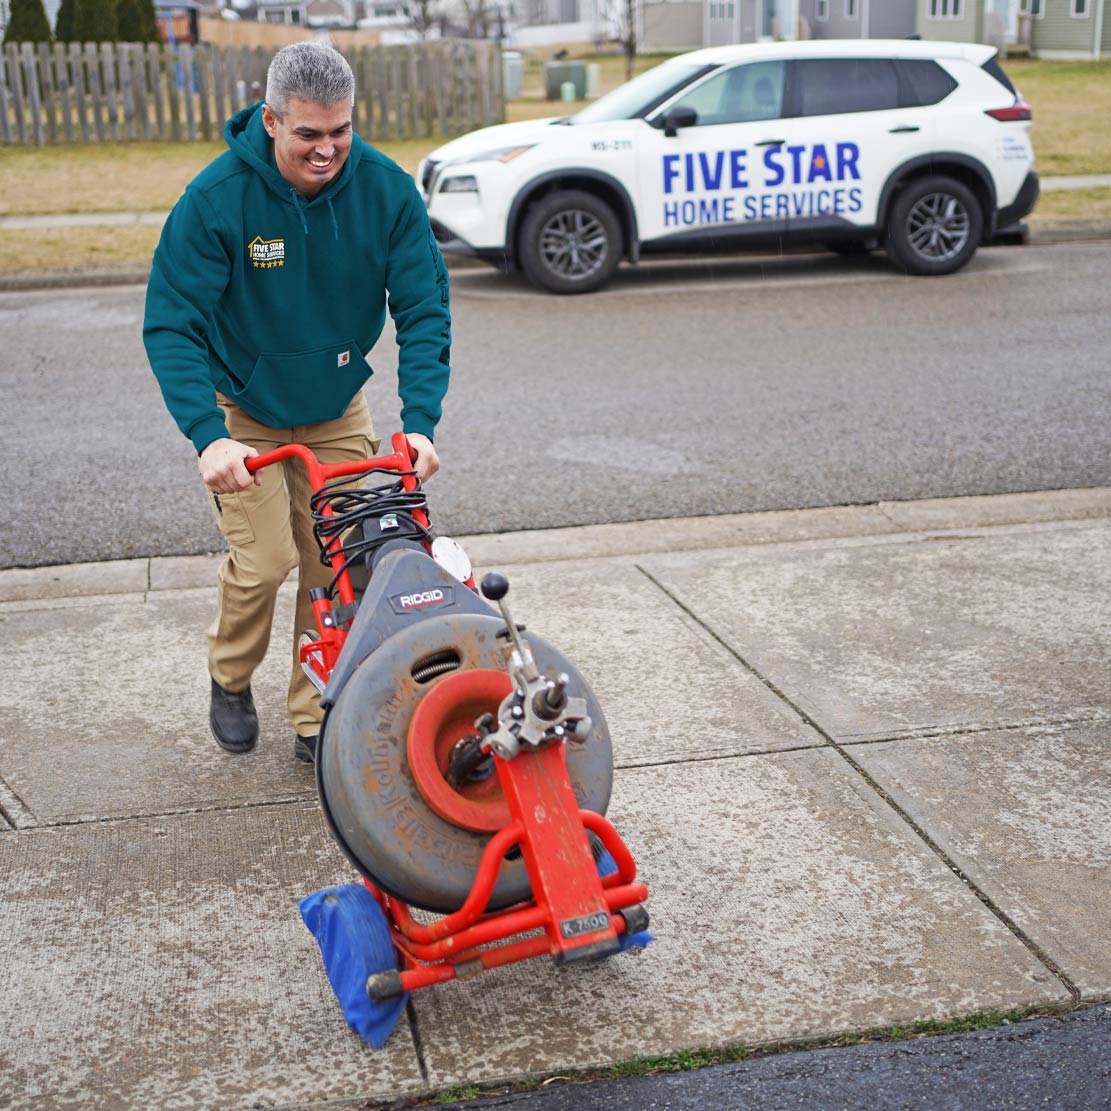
(579, 912)
(322, 654)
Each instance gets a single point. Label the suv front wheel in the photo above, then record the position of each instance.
(934, 227)
(570, 242)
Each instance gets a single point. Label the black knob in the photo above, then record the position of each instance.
(495, 586)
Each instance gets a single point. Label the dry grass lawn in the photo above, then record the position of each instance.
(69, 250)
(1072, 113)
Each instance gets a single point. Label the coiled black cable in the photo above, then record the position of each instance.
(351, 505)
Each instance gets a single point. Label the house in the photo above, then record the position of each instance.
(1048, 28)
(547, 22)
(689, 24)
(1066, 29)
(308, 13)
(858, 19)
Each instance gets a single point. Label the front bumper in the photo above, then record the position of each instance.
(451, 244)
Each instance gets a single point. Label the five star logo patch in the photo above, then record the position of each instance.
(265, 254)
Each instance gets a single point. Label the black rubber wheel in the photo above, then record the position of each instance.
(934, 227)
(372, 805)
(570, 242)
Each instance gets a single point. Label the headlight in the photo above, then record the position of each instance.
(466, 184)
(502, 154)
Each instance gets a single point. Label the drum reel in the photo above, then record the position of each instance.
(383, 758)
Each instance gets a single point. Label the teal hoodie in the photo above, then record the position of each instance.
(275, 300)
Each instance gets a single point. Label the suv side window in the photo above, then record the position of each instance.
(832, 85)
(738, 95)
(929, 83)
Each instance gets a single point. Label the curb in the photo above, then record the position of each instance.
(69, 279)
(35, 587)
(1064, 232)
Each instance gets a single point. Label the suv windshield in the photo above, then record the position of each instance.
(638, 97)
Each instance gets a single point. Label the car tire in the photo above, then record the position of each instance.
(570, 242)
(934, 227)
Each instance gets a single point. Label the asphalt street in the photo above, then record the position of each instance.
(1057, 1062)
(685, 388)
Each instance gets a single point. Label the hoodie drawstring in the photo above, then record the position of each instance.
(301, 211)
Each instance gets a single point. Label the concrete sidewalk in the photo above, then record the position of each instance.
(862, 762)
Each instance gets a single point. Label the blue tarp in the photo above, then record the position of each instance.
(354, 940)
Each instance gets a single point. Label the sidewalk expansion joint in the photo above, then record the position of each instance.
(15, 812)
(781, 695)
(184, 812)
(418, 1043)
(1004, 919)
(930, 733)
(718, 757)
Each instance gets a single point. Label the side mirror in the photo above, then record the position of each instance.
(680, 116)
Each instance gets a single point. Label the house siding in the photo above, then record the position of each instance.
(837, 26)
(1059, 30)
(892, 19)
(671, 26)
(966, 29)
(748, 21)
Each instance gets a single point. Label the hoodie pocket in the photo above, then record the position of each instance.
(304, 387)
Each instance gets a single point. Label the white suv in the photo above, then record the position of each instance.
(923, 147)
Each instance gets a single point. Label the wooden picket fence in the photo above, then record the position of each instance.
(90, 93)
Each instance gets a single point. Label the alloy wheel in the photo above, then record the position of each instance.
(938, 227)
(574, 244)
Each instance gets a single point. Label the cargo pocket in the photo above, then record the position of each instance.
(232, 519)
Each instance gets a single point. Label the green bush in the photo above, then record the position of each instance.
(63, 24)
(28, 22)
(95, 21)
(137, 21)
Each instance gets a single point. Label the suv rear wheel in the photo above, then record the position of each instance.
(934, 227)
(570, 242)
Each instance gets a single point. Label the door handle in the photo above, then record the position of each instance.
(770, 143)
(905, 127)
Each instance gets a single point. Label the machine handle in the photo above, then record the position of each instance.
(401, 460)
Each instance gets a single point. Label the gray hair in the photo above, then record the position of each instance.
(309, 71)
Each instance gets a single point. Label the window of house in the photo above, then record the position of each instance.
(1080, 9)
(1036, 8)
(821, 12)
(831, 85)
(850, 9)
(945, 9)
(738, 95)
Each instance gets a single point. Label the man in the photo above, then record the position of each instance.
(268, 288)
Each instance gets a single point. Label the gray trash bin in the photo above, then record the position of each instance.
(513, 73)
(555, 73)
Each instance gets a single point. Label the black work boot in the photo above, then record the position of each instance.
(233, 719)
(304, 748)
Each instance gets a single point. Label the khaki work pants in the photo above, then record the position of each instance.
(269, 532)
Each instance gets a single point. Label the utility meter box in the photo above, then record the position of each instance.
(556, 73)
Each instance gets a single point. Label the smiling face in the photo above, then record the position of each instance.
(311, 142)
